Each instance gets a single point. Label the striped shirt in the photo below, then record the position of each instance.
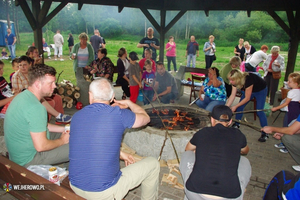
(82, 57)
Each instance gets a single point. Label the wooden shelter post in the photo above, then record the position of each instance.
(38, 17)
(293, 30)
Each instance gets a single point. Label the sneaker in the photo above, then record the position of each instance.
(64, 119)
(70, 58)
(284, 150)
(49, 57)
(55, 59)
(279, 146)
(263, 137)
(296, 167)
(61, 59)
(235, 125)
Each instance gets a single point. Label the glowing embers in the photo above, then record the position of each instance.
(176, 119)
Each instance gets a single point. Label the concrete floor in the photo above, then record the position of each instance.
(265, 159)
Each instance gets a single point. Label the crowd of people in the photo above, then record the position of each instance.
(28, 103)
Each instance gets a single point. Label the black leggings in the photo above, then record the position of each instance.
(208, 60)
(124, 85)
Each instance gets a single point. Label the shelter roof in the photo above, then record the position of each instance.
(249, 5)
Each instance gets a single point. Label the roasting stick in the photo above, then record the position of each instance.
(167, 132)
(193, 101)
(257, 128)
(250, 111)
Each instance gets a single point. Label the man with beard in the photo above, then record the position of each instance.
(27, 134)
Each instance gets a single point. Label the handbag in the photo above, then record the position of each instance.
(214, 57)
(276, 75)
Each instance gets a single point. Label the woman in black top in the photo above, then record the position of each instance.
(123, 75)
(70, 43)
(252, 86)
(239, 49)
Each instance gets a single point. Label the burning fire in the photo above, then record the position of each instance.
(179, 117)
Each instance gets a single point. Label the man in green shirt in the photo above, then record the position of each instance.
(25, 126)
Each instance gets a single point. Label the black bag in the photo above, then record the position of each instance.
(214, 57)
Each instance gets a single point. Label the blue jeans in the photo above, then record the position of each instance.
(167, 97)
(149, 94)
(12, 51)
(260, 103)
(173, 59)
(208, 104)
(189, 58)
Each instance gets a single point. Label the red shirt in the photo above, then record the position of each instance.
(142, 64)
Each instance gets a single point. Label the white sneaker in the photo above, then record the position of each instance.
(296, 167)
(61, 59)
(55, 59)
(49, 57)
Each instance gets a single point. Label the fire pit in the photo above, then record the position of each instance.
(182, 123)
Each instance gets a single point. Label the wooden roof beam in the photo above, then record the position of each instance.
(150, 18)
(54, 12)
(120, 8)
(174, 20)
(248, 13)
(206, 12)
(80, 4)
(279, 21)
(28, 13)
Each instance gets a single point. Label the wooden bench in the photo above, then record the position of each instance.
(115, 72)
(181, 76)
(17, 175)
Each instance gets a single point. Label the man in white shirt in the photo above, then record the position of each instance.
(59, 42)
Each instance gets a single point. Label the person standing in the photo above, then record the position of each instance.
(82, 53)
(209, 50)
(148, 78)
(191, 50)
(70, 44)
(234, 63)
(171, 53)
(58, 42)
(123, 74)
(249, 50)
(11, 40)
(95, 155)
(274, 63)
(103, 44)
(239, 49)
(251, 86)
(257, 57)
(135, 76)
(212, 166)
(149, 42)
(96, 41)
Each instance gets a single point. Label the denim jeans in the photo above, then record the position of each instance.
(208, 104)
(149, 94)
(260, 103)
(12, 51)
(166, 98)
(173, 59)
(189, 58)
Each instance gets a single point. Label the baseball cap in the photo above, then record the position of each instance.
(133, 56)
(221, 113)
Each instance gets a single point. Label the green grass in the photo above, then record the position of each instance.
(129, 42)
